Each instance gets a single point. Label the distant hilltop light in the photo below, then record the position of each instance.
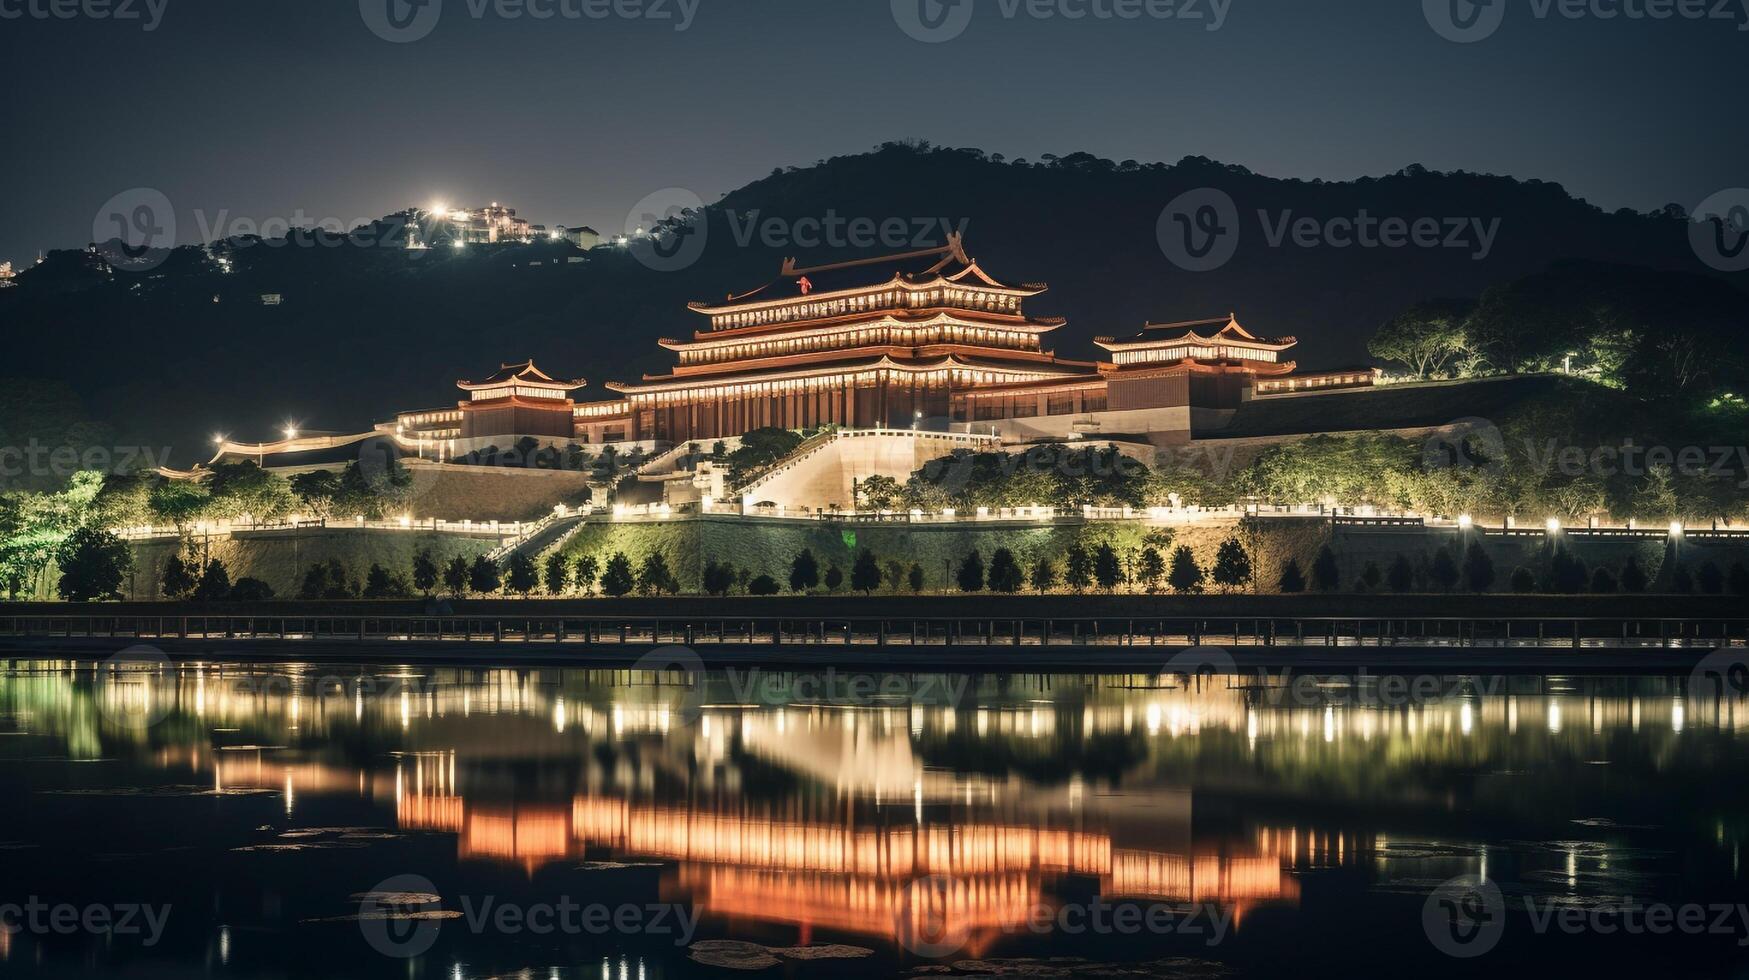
(493, 223)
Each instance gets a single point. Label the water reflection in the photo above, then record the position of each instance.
(804, 808)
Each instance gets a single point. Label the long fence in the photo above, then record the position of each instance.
(837, 632)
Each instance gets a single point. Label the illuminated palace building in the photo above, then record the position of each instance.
(924, 339)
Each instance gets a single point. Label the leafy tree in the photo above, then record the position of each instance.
(1738, 579)
(178, 578)
(1602, 582)
(588, 569)
(1567, 574)
(236, 489)
(522, 577)
(379, 584)
(1478, 568)
(178, 501)
(654, 576)
(878, 492)
(1185, 575)
(1633, 578)
(895, 572)
(718, 577)
(319, 490)
(315, 581)
(424, 571)
(251, 590)
(93, 564)
(215, 583)
(971, 573)
(1401, 576)
(1370, 576)
(483, 576)
(1326, 574)
(455, 577)
(763, 585)
(1292, 579)
(1044, 576)
(1425, 338)
(1005, 574)
(557, 573)
(865, 575)
(1445, 571)
(915, 578)
(1682, 580)
(759, 449)
(834, 577)
(1710, 578)
(617, 579)
(804, 571)
(1151, 567)
(1079, 573)
(1232, 566)
(1521, 581)
(1107, 570)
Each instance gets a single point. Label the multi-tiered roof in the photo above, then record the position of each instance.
(1225, 344)
(929, 310)
(523, 380)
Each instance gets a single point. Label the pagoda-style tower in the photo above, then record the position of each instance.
(873, 342)
(1173, 364)
(520, 400)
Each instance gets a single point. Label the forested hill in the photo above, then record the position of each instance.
(187, 349)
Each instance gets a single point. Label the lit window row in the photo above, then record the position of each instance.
(1178, 353)
(896, 335)
(971, 299)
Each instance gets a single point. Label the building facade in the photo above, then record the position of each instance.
(924, 339)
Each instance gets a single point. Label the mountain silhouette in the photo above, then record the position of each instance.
(364, 327)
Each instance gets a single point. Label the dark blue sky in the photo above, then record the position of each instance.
(259, 109)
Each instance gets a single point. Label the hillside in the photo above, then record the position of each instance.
(188, 349)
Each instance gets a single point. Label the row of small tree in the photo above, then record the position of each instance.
(1565, 574)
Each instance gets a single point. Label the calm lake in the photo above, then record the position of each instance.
(445, 822)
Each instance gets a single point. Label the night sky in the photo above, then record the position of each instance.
(257, 109)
